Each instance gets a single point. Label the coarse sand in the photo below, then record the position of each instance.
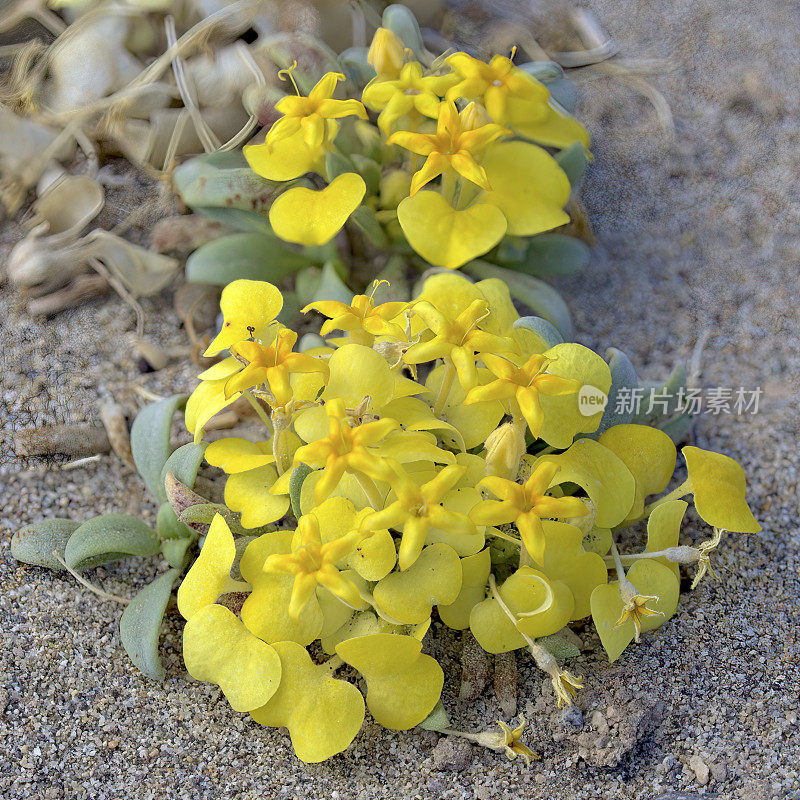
(702, 235)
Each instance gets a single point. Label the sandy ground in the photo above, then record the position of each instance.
(700, 235)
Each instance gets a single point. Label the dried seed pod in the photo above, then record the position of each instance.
(505, 682)
(475, 669)
(116, 424)
(181, 497)
(68, 204)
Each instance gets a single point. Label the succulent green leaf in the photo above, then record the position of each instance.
(150, 441)
(365, 220)
(183, 463)
(140, 624)
(109, 537)
(550, 254)
(403, 24)
(251, 256)
(623, 379)
(35, 543)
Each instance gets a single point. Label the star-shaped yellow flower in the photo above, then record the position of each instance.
(524, 384)
(272, 365)
(566, 686)
(417, 509)
(457, 340)
(526, 505)
(311, 114)
(499, 82)
(410, 91)
(453, 148)
(362, 319)
(635, 608)
(314, 564)
(346, 449)
(506, 739)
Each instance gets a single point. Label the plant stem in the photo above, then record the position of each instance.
(676, 494)
(258, 408)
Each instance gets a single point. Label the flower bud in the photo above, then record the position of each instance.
(395, 186)
(504, 449)
(474, 116)
(386, 54)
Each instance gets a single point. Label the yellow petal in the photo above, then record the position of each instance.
(564, 417)
(234, 454)
(566, 560)
(527, 590)
(719, 486)
(282, 160)
(648, 453)
(528, 186)
(663, 529)
(603, 476)
(435, 577)
(403, 685)
(446, 237)
(210, 575)
(650, 579)
(204, 402)
(475, 573)
(266, 610)
(553, 130)
(248, 307)
(217, 648)
(249, 493)
(357, 372)
(314, 217)
(323, 714)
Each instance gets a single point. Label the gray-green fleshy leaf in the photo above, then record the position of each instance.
(666, 398)
(370, 170)
(545, 330)
(237, 219)
(543, 71)
(573, 161)
(403, 24)
(299, 474)
(150, 442)
(251, 256)
(678, 428)
(34, 544)
(365, 220)
(109, 537)
(552, 254)
(331, 286)
(337, 164)
(183, 463)
(564, 92)
(223, 179)
(437, 720)
(168, 526)
(541, 298)
(624, 380)
(559, 646)
(140, 624)
(174, 551)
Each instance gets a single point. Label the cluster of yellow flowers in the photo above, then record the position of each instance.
(423, 458)
(492, 180)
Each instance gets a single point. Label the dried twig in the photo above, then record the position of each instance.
(99, 592)
(77, 440)
(82, 288)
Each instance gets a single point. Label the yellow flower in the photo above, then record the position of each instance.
(634, 607)
(386, 54)
(346, 449)
(453, 148)
(248, 309)
(297, 141)
(524, 384)
(314, 564)
(526, 505)
(505, 739)
(417, 509)
(457, 339)
(311, 114)
(272, 365)
(362, 319)
(409, 91)
(514, 98)
(566, 686)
